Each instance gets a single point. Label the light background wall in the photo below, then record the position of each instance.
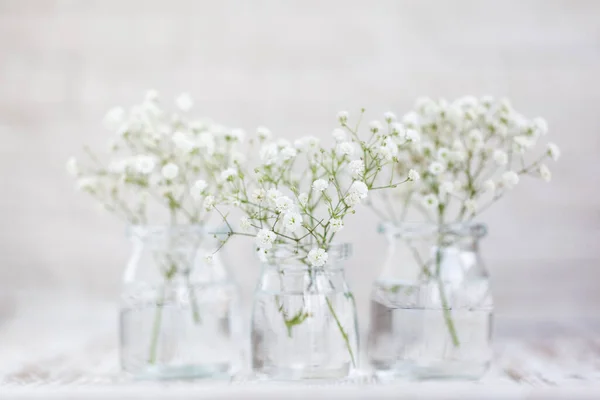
(291, 65)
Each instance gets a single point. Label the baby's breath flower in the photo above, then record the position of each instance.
(471, 206)
(245, 224)
(500, 157)
(292, 222)
(170, 171)
(265, 239)
(72, 167)
(145, 164)
(356, 167)
(523, 143)
(336, 224)
(541, 126)
(317, 257)
(273, 194)
(263, 133)
(183, 142)
(320, 185)
(413, 175)
(345, 149)
(446, 188)
(412, 136)
(342, 117)
(339, 135)
(198, 189)
(209, 203)
(288, 152)
(375, 126)
(389, 117)
(303, 199)
(436, 168)
(359, 189)
(553, 151)
(284, 204)
(510, 179)
(184, 102)
(443, 154)
(475, 139)
(430, 201)
(258, 195)
(545, 173)
(237, 135)
(489, 186)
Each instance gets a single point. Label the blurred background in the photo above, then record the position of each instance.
(291, 66)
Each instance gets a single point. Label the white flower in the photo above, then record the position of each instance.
(237, 135)
(87, 184)
(398, 129)
(228, 174)
(359, 189)
(317, 257)
(245, 223)
(541, 126)
(144, 164)
(265, 238)
(389, 150)
(523, 142)
(114, 118)
(436, 168)
(545, 172)
(284, 204)
(320, 185)
(258, 195)
(237, 157)
(72, 167)
(345, 148)
(263, 133)
(356, 167)
(197, 189)
(412, 136)
(389, 117)
(413, 175)
(375, 126)
(510, 179)
(287, 153)
(209, 203)
(184, 102)
(170, 171)
(411, 119)
(553, 151)
(303, 199)
(336, 224)
(307, 143)
(443, 154)
(489, 186)
(182, 142)
(475, 139)
(339, 135)
(151, 95)
(269, 153)
(471, 206)
(446, 188)
(273, 194)
(430, 201)
(342, 117)
(500, 157)
(292, 221)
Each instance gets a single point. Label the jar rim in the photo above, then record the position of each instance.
(422, 229)
(337, 253)
(148, 230)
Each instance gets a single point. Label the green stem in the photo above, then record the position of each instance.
(344, 334)
(445, 309)
(156, 328)
(193, 300)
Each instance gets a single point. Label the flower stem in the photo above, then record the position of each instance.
(156, 328)
(445, 309)
(344, 334)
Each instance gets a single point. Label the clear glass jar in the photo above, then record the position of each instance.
(179, 306)
(304, 322)
(431, 306)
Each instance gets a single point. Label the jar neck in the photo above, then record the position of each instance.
(461, 236)
(291, 259)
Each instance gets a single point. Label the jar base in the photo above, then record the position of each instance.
(303, 373)
(184, 372)
(439, 371)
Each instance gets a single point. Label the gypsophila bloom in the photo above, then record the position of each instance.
(320, 185)
(258, 195)
(198, 189)
(292, 222)
(446, 188)
(170, 171)
(263, 133)
(273, 194)
(209, 203)
(265, 239)
(489, 186)
(336, 224)
(245, 224)
(500, 157)
(359, 189)
(303, 199)
(72, 167)
(430, 201)
(339, 135)
(145, 164)
(541, 126)
(475, 139)
(317, 257)
(184, 102)
(356, 167)
(183, 143)
(436, 168)
(343, 117)
(553, 151)
(545, 173)
(283, 204)
(471, 206)
(510, 179)
(389, 117)
(412, 135)
(287, 153)
(345, 148)
(375, 126)
(413, 175)
(228, 174)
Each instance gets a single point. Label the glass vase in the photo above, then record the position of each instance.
(304, 322)
(179, 306)
(431, 306)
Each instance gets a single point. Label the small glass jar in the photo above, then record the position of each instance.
(431, 306)
(179, 306)
(304, 322)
